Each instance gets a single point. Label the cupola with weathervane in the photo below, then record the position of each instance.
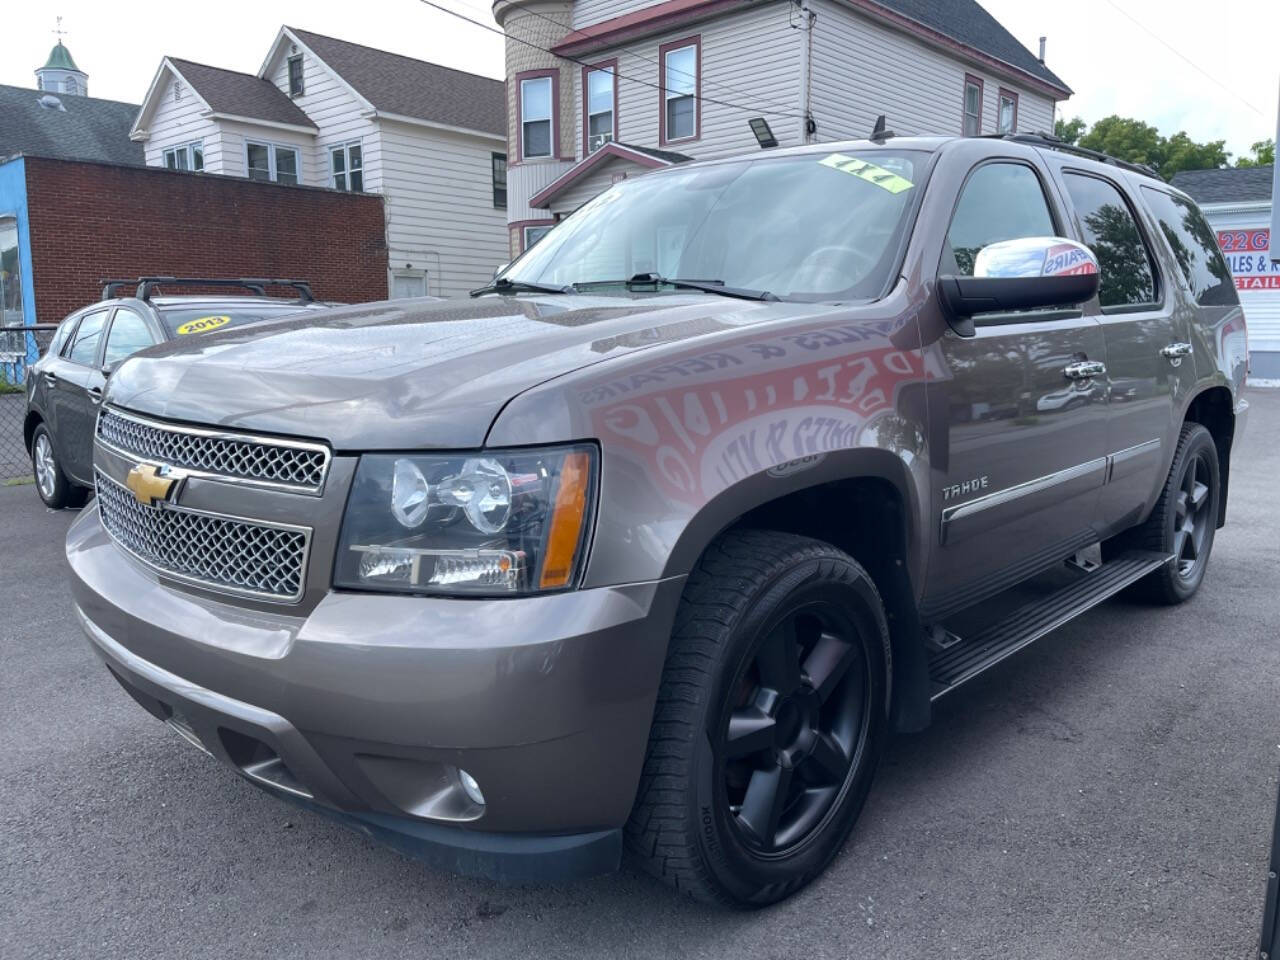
(60, 73)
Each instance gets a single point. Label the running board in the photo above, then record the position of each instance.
(963, 661)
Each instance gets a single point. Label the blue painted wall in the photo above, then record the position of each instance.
(13, 203)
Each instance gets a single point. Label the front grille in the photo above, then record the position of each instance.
(227, 554)
(291, 464)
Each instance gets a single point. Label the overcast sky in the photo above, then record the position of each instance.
(1109, 51)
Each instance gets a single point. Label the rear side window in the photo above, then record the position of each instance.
(129, 334)
(1000, 201)
(84, 348)
(1194, 247)
(1112, 234)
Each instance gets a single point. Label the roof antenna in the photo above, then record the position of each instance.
(878, 133)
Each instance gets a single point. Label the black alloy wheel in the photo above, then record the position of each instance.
(789, 744)
(1183, 521)
(771, 717)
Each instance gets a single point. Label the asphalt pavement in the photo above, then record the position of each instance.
(1107, 793)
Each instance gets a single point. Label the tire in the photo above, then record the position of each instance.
(51, 483)
(760, 760)
(1184, 519)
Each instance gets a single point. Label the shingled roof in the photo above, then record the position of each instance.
(967, 22)
(69, 128)
(240, 94)
(414, 88)
(1229, 185)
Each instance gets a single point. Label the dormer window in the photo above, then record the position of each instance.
(295, 76)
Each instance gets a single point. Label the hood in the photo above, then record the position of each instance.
(408, 374)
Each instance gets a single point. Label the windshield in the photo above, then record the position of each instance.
(819, 226)
(181, 322)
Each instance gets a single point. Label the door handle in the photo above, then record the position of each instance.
(50, 378)
(1174, 352)
(95, 395)
(1084, 370)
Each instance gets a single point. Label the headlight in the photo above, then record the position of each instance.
(503, 523)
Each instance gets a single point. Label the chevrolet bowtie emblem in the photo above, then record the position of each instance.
(151, 484)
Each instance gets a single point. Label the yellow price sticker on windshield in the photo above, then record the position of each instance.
(885, 179)
(203, 325)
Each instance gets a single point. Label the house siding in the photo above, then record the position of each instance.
(862, 69)
(750, 67)
(337, 114)
(587, 12)
(180, 122)
(440, 212)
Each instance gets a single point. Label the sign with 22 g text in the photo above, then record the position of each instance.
(1247, 253)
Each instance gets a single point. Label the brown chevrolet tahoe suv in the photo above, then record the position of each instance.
(650, 544)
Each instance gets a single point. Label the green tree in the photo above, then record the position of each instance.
(1069, 131)
(1180, 152)
(1264, 154)
(1139, 142)
(1125, 138)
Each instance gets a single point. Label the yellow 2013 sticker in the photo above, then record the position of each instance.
(886, 179)
(202, 325)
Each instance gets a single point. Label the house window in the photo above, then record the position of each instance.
(266, 161)
(499, 162)
(347, 162)
(295, 76)
(536, 106)
(972, 106)
(188, 156)
(680, 82)
(407, 284)
(1008, 117)
(599, 106)
(533, 234)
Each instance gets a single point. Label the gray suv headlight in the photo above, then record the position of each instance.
(496, 522)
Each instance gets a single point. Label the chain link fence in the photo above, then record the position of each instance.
(20, 347)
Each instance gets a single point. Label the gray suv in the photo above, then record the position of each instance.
(65, 388)
(653, 542)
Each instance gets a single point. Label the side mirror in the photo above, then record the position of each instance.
(1023, 274)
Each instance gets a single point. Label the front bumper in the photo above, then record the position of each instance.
(367, 706)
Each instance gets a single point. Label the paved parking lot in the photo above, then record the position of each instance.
(1106, 794)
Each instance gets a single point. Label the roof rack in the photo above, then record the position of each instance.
(147, 285)
(1051, 142)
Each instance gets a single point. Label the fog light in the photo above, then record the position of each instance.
(471, 787)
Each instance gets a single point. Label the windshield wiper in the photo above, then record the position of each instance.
(503, 285)
(706, 286)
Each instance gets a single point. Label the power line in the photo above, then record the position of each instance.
(1182, 56)
(644, 83)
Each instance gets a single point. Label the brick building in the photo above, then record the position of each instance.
(79, 221)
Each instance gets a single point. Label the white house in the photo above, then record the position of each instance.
(1237, 203)
(323, 112)
(598, 90)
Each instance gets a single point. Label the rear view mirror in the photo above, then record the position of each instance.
(1024, 274)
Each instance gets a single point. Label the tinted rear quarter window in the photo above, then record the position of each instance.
(84, 348)
(1000, 201)
(1194, 247)
(1112, 234)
